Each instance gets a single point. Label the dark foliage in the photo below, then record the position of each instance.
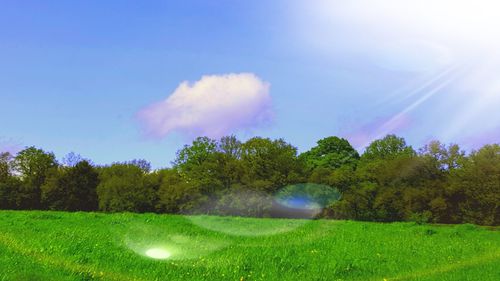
(71, 189)
(390, 181)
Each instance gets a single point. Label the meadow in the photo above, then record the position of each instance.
(39, 245)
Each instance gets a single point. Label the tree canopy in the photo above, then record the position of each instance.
(330, 153)
(390, 181)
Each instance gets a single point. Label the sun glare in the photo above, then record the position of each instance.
(472, 24)
(454, 43)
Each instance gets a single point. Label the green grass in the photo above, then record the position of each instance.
(91, 246)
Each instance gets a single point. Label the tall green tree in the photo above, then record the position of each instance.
(477, 183)
(199, 165)
(5, 165)
(389, 147)
(330, 153)
(230, 169)
(445, 158)
(270, 164)
(9, 184)
(9, 193)
(176, 194)
(124, 187)
(377, 186)
(72, 189)
(33, 165)
(190, 157)
(429, 194)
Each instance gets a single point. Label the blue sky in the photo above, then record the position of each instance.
(74, 75)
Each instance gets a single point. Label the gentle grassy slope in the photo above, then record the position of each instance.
(87, 246)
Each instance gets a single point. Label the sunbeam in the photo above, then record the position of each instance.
(431, 90)
(401, 96)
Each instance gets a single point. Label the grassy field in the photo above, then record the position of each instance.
(89, 246)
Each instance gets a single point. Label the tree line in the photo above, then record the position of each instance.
(389, 181)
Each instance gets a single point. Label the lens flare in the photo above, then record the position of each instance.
(307, 199)
(247, 227)
(295, 205)
(158, 254)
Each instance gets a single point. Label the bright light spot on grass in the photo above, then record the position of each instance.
(158, 253)
(161, 243)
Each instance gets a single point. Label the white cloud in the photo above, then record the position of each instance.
(213, 106)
